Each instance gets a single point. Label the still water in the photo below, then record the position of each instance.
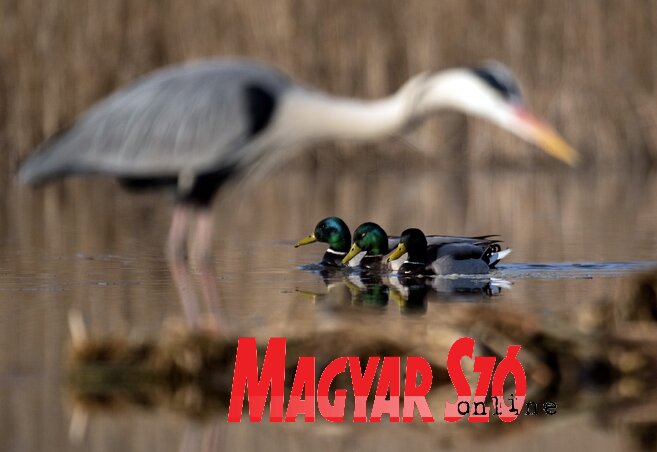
(88, 245)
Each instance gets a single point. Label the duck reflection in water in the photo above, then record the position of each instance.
(350, 291)
(412, 294)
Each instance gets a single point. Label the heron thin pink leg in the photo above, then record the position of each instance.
(192, 438)
(211, 437)
(202, 260)
(176, 252)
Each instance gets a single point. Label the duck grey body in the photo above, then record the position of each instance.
(460, 259)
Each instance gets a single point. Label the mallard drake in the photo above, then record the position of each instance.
(371, 238)
(334, 232)
(472, 256)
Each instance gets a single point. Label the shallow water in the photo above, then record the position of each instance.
(88, 245)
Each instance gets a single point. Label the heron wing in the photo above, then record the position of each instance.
(188, 117)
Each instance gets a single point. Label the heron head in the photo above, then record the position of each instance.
(491, 92)
(331, 230)
(369, 237)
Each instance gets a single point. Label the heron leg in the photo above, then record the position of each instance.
(201, 249)
(192, 438)
(176, 252)
(211, 437)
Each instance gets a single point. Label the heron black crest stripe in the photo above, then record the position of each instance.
(500, 79)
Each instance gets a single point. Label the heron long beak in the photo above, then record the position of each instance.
(540, 133)
(305, 241)
(355, 249)
(399, 252)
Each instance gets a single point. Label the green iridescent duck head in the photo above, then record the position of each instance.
(331, 230)
(414, 242)
(368, 237)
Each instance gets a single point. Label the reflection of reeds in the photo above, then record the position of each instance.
(590, 67)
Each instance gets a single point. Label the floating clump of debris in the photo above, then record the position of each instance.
(191, 372)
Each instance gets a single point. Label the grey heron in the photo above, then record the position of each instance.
(190, 128)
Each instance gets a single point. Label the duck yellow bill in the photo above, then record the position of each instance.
(399, 252)
(355, 249)
(305, 241)
(547, 139)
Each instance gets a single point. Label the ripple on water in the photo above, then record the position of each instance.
(566, 270)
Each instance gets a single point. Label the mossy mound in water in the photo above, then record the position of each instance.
(192, 371)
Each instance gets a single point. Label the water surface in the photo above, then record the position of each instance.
(88, 245)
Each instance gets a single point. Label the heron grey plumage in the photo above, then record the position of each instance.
(192, 127)
(179, 121)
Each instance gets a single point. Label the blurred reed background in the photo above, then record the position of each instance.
(589, 66)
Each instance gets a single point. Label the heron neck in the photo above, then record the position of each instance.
(318, 116)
